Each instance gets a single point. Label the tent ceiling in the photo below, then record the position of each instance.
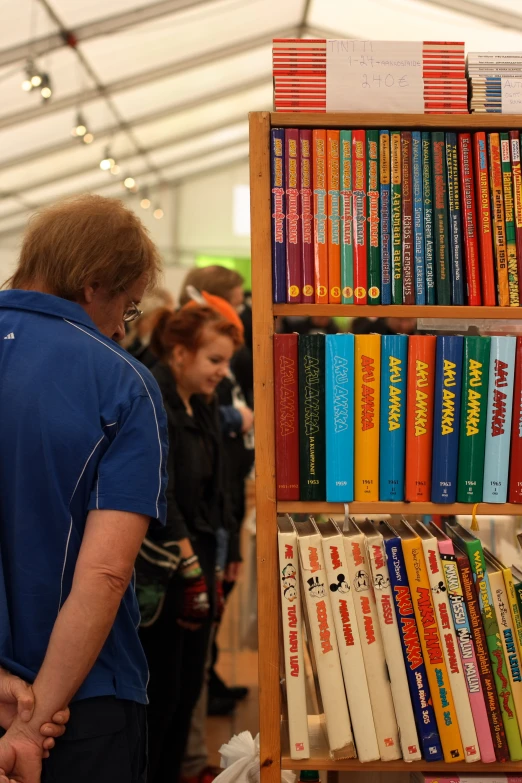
(167, 84)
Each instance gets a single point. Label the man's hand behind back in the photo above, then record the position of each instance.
(20, 755)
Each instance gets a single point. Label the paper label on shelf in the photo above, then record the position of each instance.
(374, 76)
(511, 95)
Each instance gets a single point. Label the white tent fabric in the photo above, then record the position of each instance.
(166, 85)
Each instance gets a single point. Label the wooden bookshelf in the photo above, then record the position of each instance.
(363, 507)
(274, 753)
(401, 311)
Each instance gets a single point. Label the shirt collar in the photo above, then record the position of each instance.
(36, 302)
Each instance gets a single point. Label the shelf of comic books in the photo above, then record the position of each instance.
(274, 746)
(407, 509)
(401, 311)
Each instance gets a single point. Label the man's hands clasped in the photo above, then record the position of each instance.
(23, 747)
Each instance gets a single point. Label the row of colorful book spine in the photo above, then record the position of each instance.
(400, 217)
(398, 418)
(416, 637)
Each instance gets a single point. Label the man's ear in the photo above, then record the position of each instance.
(89, 292)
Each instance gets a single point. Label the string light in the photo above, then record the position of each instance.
(36, 79)
(129, 182)
(88, 138)
(46, 89)
(115, 169)
(158, 212)
(145, 200)
(80, 127)
(107, 163)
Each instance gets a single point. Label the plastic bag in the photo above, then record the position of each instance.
(240, 761)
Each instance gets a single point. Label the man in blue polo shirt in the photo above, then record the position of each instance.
(82, 473)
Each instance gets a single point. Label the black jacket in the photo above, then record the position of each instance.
(197, 500)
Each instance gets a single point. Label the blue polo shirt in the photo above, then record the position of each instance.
(82, 427)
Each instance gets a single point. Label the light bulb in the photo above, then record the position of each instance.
(46, 92)
(115, 169)
(129, 182)
(88, 138)
(145, 203)
(158, 213)
(36, 80)
(26, 85)
(81, 130)
(106, 164)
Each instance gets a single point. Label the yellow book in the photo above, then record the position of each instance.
(441, 693)
(367, 403)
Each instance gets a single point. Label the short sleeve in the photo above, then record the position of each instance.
(132, 474)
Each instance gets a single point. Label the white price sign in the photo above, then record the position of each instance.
(511, 95)
(374, 76)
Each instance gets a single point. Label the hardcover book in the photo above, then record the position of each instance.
(324, 641)
(278, 202)
(419, 416)
(469, 220)
(394, 364)
(294, 277)
(396, 216)
(349, 642)
(366, 406)
(312, 425)
(408, 282)
(385, 216)
(334, 217)
(320, 216)
(346, 218)
(372, 645)
(499, 226)
(440, 222)
(307, 216)
(418, 219)
(427, 197)
(339, 417)
(295, 678)
(448, 381)
(454, 224)
(372, 210)
(515, 468)
(487, 261)
(286, 405)
(360, 246)
(498, 418)
(509, 216)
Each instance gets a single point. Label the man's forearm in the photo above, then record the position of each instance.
(79, 634)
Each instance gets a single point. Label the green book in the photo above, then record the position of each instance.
(474, 403)
(474, 551)
(440, 219)
(346, 217)
(509, 215)
(427, 199)
(396, 212)
(312, 423)
(372, 222)
(517, 579)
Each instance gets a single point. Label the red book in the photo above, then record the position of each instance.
(487, 263)
(360, 249)
(286, 405)
(320, 217)
(514, 139)
(408, 282)
(294, 278)
(469, 220)
(419, 416)
(515, 467)
(481, 650)
(307, 216)
(334, 217)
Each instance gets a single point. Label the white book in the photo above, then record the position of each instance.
(324, 641)
(376, 553)
(449, 640)
(371, 641)
(349, 643)
(295, 677)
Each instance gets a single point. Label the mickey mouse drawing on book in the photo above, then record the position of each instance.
(341, 585)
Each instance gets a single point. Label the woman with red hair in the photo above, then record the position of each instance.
(194, 347)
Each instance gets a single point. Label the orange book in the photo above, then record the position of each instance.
(419, 416)
(334, 218)
(320, 217)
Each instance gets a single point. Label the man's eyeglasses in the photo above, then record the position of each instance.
(131, 313)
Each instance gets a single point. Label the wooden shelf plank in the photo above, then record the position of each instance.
(380, 120)
(401, 311)
(353, 765)
(365, 507)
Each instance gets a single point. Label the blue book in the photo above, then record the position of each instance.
(498, 418)
(418, 219)
(427, 200)
(339, 389)
(446, 418)
(454, 221)
(411, 647)
(277, 186)
(385, 216)
(394, 367)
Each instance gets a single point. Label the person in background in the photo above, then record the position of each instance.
(194, 347)
(237, 421)
(384, 326)
(139, 332)
(83, 471)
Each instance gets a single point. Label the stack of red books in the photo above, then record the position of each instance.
(301, 76)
